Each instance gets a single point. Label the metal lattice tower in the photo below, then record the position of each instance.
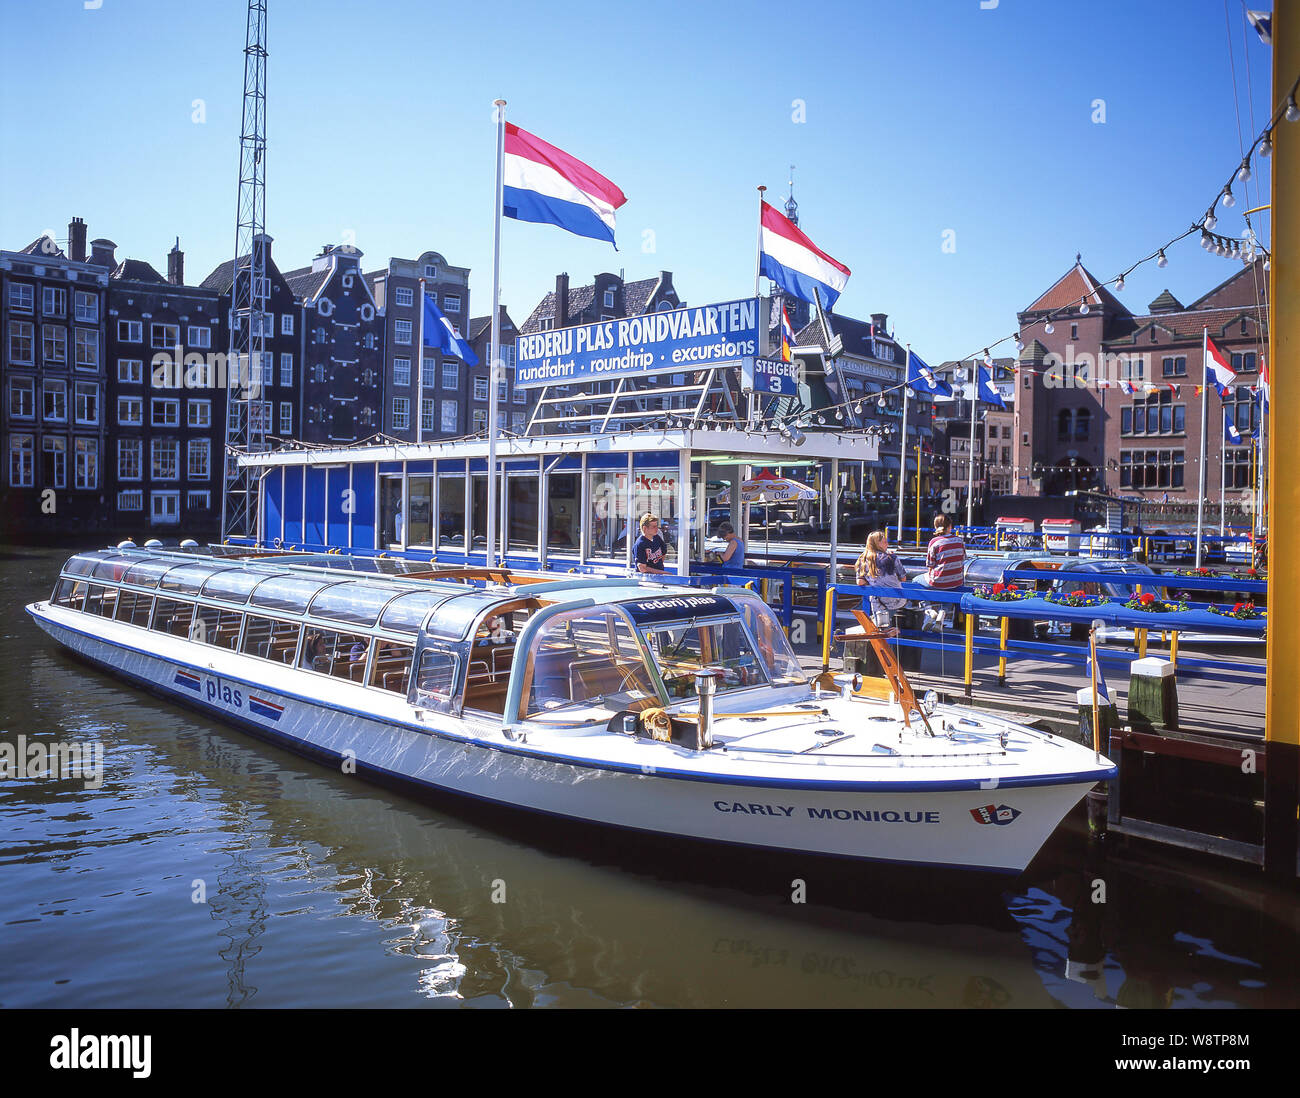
(249, 292)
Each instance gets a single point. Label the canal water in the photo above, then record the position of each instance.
(211, 870)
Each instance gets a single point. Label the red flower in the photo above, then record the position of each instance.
(1237, 606)
(998, 588)
(1250, 571)
(1078, 594)
(1147, 599)
(1013, 587)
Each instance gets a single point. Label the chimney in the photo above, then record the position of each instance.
(561, 301)
(102, 253)
(77, 240)
(176, 265)
(878, 319)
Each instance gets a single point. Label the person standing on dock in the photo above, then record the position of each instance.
(732, 557)
(649, 549)
(945, 560)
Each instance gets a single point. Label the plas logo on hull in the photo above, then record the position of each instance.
(995, 814)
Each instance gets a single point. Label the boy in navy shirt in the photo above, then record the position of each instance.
(649, 549)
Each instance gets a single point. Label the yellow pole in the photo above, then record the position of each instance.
(1173, 650)
(1002, 658)
(1142, 643)
(970, 652)
(1282, 690)
(827, 629)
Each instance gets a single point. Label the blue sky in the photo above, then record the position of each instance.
(918, 118)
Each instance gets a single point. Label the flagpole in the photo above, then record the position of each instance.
(902, 446)
(1200, 503)
(758, 252)
(419, 390)
(1223, 476)
(970, 468)
(494, 356)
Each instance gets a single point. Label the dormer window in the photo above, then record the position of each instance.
(609, 299)
(430, 270)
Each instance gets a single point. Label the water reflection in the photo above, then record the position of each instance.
(321, 890)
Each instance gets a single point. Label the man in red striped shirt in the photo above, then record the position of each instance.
(945, 559)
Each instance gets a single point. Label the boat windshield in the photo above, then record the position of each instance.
(681, 649)
(590, 659)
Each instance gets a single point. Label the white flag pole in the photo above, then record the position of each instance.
(419, 363)
(1223, 476)
(902, 448)
(1200, 503)
(494, 356)
(758, 265)
(970, 468)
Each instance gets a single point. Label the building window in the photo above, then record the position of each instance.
(87, 349)
(517, 422)
(1151, 468)
(55, 400)
(451, 375)
(129, 458)
(401, 413)
(286, 369)
(54, 302)
(22, 297)
(130, 331)
(609, 299)
(451, 303)
(430, 270)
(198, 453)
(286, 324)
(428, 373)
(1082, 424)
(480, 420)
(199, 336)
(450, 416)
(1174, 366)
(1244, 363)
(54, 343)
(130, 411)
(87, 308)
(402, 332)
(403, 296)
(426, 414)
(130, 501)
(164, 507)
(86, 399)
(86, 459)
(520, 396)
(268, 369)
(480, 388)
(198, 413)
(22, 397)
(55, 470)
(22, 460)
(164, 336)
(286, 418)
(164, 413)
(165, 458)
(198, 500)
(1074, 331)
(21, 341)
(547, 323)
(130, 371)
(402, 372)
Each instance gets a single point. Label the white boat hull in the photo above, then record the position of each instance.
(994, 825)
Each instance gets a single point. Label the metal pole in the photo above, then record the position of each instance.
(902, 445)
(758, 253)
(494, 356)
(1223, 476)
(419, 391)
(835, 519)
(970, 465)
(1200, 503)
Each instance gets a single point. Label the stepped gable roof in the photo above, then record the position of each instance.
(307, 283)
(136, 270)
(223, 275)
(1165, 303)
(1075, 285)
(44, 245)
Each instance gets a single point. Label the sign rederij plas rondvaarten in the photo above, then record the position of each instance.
(684, 339)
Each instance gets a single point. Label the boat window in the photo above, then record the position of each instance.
(354, 603)
(342, 655)
(778, 658)
(405, 613)
(683, 648)
(270, 639)
(113, 568)
(392, 668)
(83, 565)
(291, 593)
(435, 680)
(232, 586)
(585, 658)
(188, 578)
(69, 593)
(215, 626)
(147, 573)
(100, 600)
(133, 608)
(171, 616)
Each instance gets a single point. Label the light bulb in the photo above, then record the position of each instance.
(988, 358)
(1292, 111)
(1211, 220)
(880, 405)
(1049, 327)
(1161, 261)
(1083, 307)
(1119, 283)
(1266, 149)
(1243, 173)
(1205, 241)
(839, 413)
(1266, 264)
(1228, 200)
(1020, 344)
(821, 420)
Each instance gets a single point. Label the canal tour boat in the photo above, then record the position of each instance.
(680, 711)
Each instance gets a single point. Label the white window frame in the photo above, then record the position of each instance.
(286, 418)
(87, 340)
(130, 454)
(200, 448)
(402, 372)
(286, 369)
(51, 294)
(23, 448)
(400, 292)
(199, 336)
(86, 306)
(165, 515)
(198, 413)
(401, 413)
(164, 448)
(57, 335)
(130, 331)
(450, 412)
(400, 328)
(286, 324)
(130, 404)
(90, 390)
(157, 329)
(171, 412)
(54, 385)
(20, 302)
(133, 376)
(450, 375)
(130, 500)
(85, 457)
(22, 386)
(17, 328)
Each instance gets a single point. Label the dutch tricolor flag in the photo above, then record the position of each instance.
(548, 186)
(795, 263)
(1217, 370)
(787, 335)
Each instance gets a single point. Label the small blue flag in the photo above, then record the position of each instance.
(1230, 433)
(439, 333)
(1103, 695)
(986, 390)
(923, 380)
